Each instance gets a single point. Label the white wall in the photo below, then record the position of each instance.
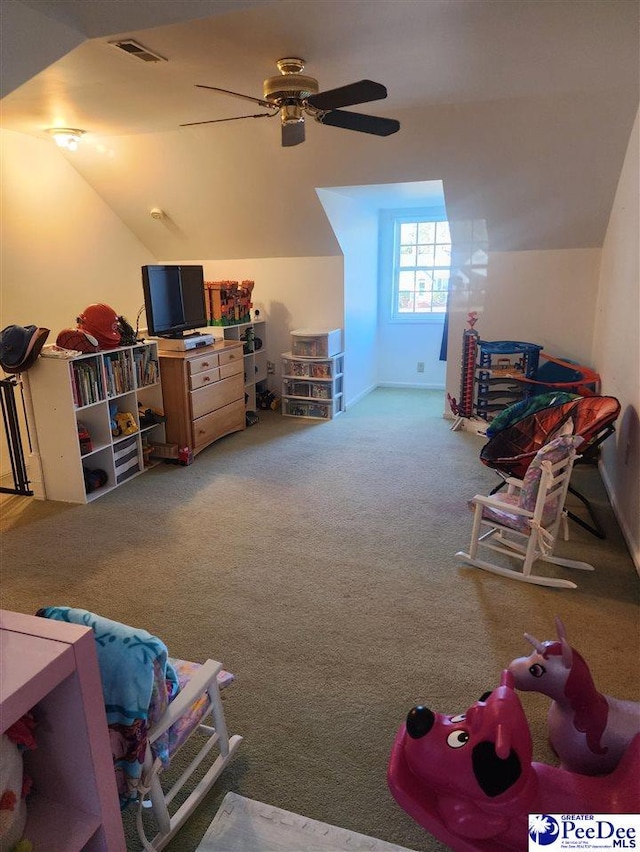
(355, 225)
(616, 348)
(401, 346)
(543, 297)
(63, 248)
(290, 293)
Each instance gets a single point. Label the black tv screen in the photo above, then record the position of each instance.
(174, 299)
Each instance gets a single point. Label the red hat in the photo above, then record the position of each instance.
(76, 339)
(101, 321)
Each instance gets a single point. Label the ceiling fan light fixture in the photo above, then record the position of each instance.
(66, 137)
(291, 113)
(290, 65)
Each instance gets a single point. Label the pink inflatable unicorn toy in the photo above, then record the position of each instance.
(588, 731)
(470, 781)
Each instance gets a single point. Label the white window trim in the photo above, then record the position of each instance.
(390, 221)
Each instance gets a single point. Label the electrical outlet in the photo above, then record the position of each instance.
(421, 366)
(271, 368)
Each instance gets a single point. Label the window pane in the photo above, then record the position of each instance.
(423, 302)
(425, 255)
(439, 300)
(426, 232)
(407, 256)
(442, 232)
(406, 281)
(405, 302)
(443, 256)
(441, 283)
(408, 232)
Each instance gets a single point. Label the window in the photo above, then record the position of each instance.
(421, 266)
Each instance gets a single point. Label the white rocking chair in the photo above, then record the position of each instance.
(525, 522)
(154, 703)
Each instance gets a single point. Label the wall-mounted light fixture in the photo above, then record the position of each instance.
(66, 137)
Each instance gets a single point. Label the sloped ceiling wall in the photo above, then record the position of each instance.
(523, 109)
(232, 194)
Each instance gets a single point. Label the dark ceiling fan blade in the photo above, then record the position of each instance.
(234, 118)
(292, 134)
(259, 101)
(355, 93)
(362, 123)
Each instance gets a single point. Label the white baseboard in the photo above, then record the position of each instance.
(411, 386)
(634, 547)
(352, 401)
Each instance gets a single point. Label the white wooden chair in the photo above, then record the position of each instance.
(154, 704)
(525, 522)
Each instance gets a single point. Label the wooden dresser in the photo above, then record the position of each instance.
(203, 391)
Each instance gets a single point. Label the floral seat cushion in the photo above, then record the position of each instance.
(550, 453)
(165, 747)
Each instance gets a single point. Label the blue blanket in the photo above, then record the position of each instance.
(125, 656)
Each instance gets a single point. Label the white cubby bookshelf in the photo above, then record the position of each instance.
(255, 354)
(82, 390)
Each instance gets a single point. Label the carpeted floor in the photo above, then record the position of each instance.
(316, 561)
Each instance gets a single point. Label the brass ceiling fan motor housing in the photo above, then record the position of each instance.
(290, 85)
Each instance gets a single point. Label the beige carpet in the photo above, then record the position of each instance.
(316, 561)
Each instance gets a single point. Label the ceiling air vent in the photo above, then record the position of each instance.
(132, 47)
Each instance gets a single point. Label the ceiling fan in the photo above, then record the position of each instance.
(291, 95)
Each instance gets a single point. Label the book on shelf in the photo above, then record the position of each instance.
(86, 383)
(146, 368)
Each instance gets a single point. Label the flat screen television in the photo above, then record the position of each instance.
(174, 299)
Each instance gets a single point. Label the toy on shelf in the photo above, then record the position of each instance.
(589, 731)
(15, 784)
(126, 423)
(149, 416)
(113, 423)
(84, 439)
(469, 779)
(228, 302)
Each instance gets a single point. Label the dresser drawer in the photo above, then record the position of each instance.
(232, 368)
(230, 418)
(207, 399)
(231, 356)
(201, 380)
(203, 363)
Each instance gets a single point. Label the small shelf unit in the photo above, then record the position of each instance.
(80, 393)
(52, 670)
(313, 375)
(252, 335)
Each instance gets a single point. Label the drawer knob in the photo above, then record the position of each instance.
(205, 363)
(206, 379)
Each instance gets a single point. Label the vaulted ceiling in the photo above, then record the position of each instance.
(522, 109)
